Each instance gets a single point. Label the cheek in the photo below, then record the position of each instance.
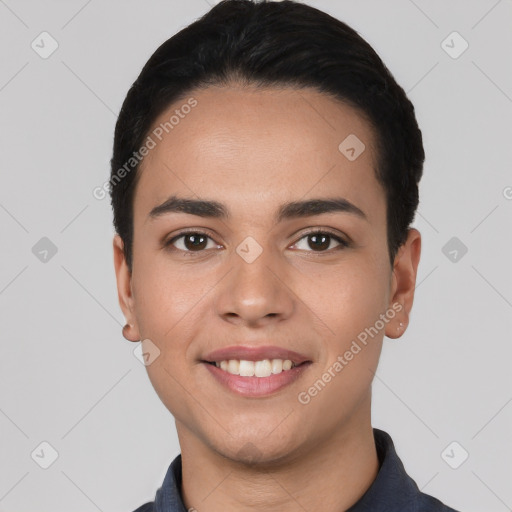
(170, 302)
(349, 306)
(168, 313)
(345, 299)
(166, 297)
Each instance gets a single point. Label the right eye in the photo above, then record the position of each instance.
(190, 242)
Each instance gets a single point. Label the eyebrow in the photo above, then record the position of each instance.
(291, 210)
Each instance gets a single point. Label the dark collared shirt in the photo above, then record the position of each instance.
(393, 490)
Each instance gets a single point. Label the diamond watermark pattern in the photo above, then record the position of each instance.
(249, 249)
(454, 250)
(454, 455)
(146, 352)
(44, 250)
(454, 45)
(352, 147)
(249, 453)
(44, 455)
(44, 45)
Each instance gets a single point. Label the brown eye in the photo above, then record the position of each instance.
(320, 241)
(192, 241)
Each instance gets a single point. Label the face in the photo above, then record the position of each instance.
(258, 277)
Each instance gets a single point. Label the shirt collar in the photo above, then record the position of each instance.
(392, 489)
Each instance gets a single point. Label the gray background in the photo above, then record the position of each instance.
(68, 377)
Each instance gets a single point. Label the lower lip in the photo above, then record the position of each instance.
(257, 386)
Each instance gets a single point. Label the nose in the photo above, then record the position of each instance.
(255, 293)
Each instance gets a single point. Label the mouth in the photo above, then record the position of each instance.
(260, 369)
(255, 372)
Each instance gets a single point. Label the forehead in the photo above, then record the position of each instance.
(257, 148)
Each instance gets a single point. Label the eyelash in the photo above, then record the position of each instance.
(343, 243)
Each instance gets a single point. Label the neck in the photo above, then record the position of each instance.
(339, 469)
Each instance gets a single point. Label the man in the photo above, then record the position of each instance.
(264, 178)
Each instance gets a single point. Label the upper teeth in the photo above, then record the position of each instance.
(263, 368)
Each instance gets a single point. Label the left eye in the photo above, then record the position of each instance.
(320, 241)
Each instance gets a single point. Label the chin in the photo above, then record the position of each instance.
(257, 451)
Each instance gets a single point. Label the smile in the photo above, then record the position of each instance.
(255, 371)
(252, 386)
(263, 368)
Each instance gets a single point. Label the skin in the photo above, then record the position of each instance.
(253, 150)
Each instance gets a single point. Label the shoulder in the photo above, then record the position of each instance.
(394, 487)
(168, 495)
(427, 503)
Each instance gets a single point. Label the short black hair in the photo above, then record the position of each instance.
(271, 44)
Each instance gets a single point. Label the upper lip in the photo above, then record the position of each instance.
(247, 353)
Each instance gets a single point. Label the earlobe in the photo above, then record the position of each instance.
(124, 290)
(128, 333)
(404, 282)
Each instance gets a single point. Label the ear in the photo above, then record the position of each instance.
(124, 290)
(403, 283)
